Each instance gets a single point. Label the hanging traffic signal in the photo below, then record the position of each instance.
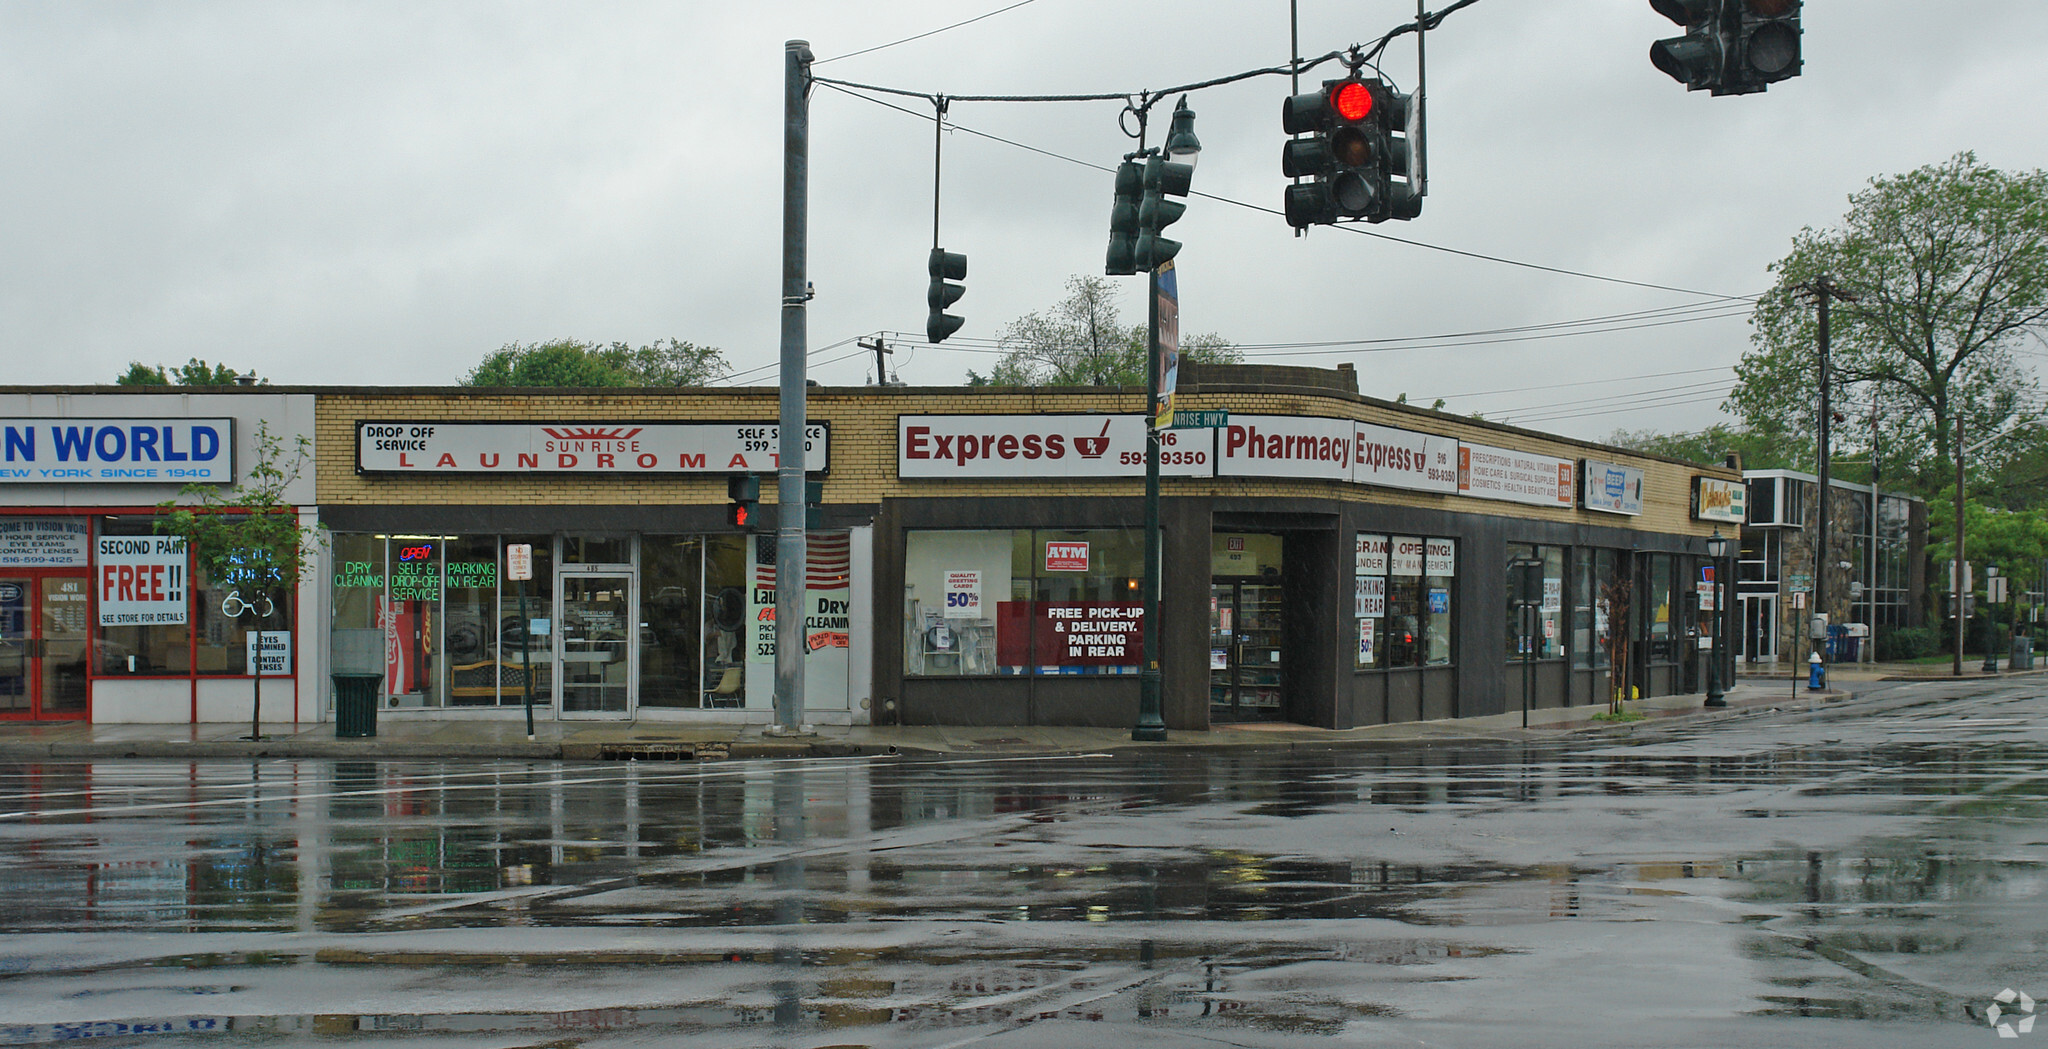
(1357, 143)
(945, 266)
(1123, 219)
(1695, 58)
(743, 491)
(1399, 137)
(1163, 179)
(1730, 47)
(1766, 42)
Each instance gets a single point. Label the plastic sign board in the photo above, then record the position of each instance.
(1066, 556)
(1035, 447)
(42, 542)
(273, 648)
(117, 451)
(1714, 499)
(581, 448)
(1611, 487)
(141, 579)
(1486, 472)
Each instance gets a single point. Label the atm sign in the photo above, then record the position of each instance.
(1066, 557)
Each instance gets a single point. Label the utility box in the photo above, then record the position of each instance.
(1817, 627)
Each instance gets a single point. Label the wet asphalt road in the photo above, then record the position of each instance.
(1867, 874)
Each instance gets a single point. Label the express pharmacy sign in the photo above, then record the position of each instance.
(117, 451)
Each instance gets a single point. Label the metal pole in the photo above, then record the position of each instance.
(1956, 584)
(1876, 530)
(525, 658)
(1151, 724)
(790, 549)
(1822, 560)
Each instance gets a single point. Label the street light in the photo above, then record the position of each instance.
(1717, 549)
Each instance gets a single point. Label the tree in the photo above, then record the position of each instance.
(248, 540)
(1760, 449)
(1082, 341)
(572, 362)
(194, 372)
(1949, 264)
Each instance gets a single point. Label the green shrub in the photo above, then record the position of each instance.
(1911, 643)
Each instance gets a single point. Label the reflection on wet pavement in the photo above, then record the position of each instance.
(1855, 878)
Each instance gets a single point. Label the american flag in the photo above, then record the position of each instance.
(831, 561)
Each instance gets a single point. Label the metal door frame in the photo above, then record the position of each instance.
(631, 575)
(32, 670)
(1759, 622)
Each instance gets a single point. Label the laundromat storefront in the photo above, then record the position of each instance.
(609, 586)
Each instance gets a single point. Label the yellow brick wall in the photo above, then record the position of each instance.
(863, 448)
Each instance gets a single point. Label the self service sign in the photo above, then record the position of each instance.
(117, 451)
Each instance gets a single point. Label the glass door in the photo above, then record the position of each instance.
(596, 649)
(63, 647)
(17, 640)
(44, 641)
(1244, 651)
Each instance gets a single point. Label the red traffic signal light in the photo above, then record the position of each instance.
(739, 515)
(1351, 100)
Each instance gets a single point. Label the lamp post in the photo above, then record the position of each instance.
(1717, 549)
(1182, 147)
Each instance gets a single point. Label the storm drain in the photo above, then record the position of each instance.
(661, 752)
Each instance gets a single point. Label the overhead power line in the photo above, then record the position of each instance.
(921, 36)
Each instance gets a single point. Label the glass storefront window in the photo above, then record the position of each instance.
(1049, 601)
(1369, 599)
(1658, 610)
(1592, 591)
(355, 634)
(672, 632)
(469, 620)
(526, 640)
(1547, 624)
(141, 650)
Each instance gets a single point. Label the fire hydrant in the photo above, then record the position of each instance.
(1816, 673)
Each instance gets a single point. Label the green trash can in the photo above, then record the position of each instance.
(355, 705)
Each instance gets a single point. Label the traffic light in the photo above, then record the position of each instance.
(1163, 179)
(1730, 47)
(744, 490)
(1766, 42)
(1694, 59)
(1400, 195)
(1359, 142)
(945, 266)
(1123, 219)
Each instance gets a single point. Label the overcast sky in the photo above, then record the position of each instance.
(380, 193)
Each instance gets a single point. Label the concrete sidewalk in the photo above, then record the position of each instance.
(668, 740)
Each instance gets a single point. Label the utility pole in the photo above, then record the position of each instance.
(1824, 291)
(880, 348)
(791, 550)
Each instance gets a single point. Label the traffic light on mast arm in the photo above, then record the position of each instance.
(1163, 178)
(945, 266)
(1123, 219)
(1357, 143)
(743, 491)
(1730, 47)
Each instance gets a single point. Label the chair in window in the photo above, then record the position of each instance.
(727, 691)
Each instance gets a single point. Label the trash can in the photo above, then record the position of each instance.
(2022, 652)
(355, 705)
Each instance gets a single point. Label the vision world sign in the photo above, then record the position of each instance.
(116, 451)
(581, 448)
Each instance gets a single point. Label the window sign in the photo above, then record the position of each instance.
(42, 542)
(1370, 557)
(1439, 600)
(1440, 557)
(141, 580)
(1371, 601)
(1066, 557)
(1405, 557)
(274, 648)
(963, 595)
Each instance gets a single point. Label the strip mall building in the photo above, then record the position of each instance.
(1328, 559)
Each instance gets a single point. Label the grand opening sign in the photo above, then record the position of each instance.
(611, 448)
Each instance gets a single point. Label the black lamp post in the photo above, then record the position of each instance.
(1717, 548)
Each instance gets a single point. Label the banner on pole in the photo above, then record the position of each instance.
(1169, 347)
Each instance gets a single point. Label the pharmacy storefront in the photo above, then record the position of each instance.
(104, 618)
(606, 585)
